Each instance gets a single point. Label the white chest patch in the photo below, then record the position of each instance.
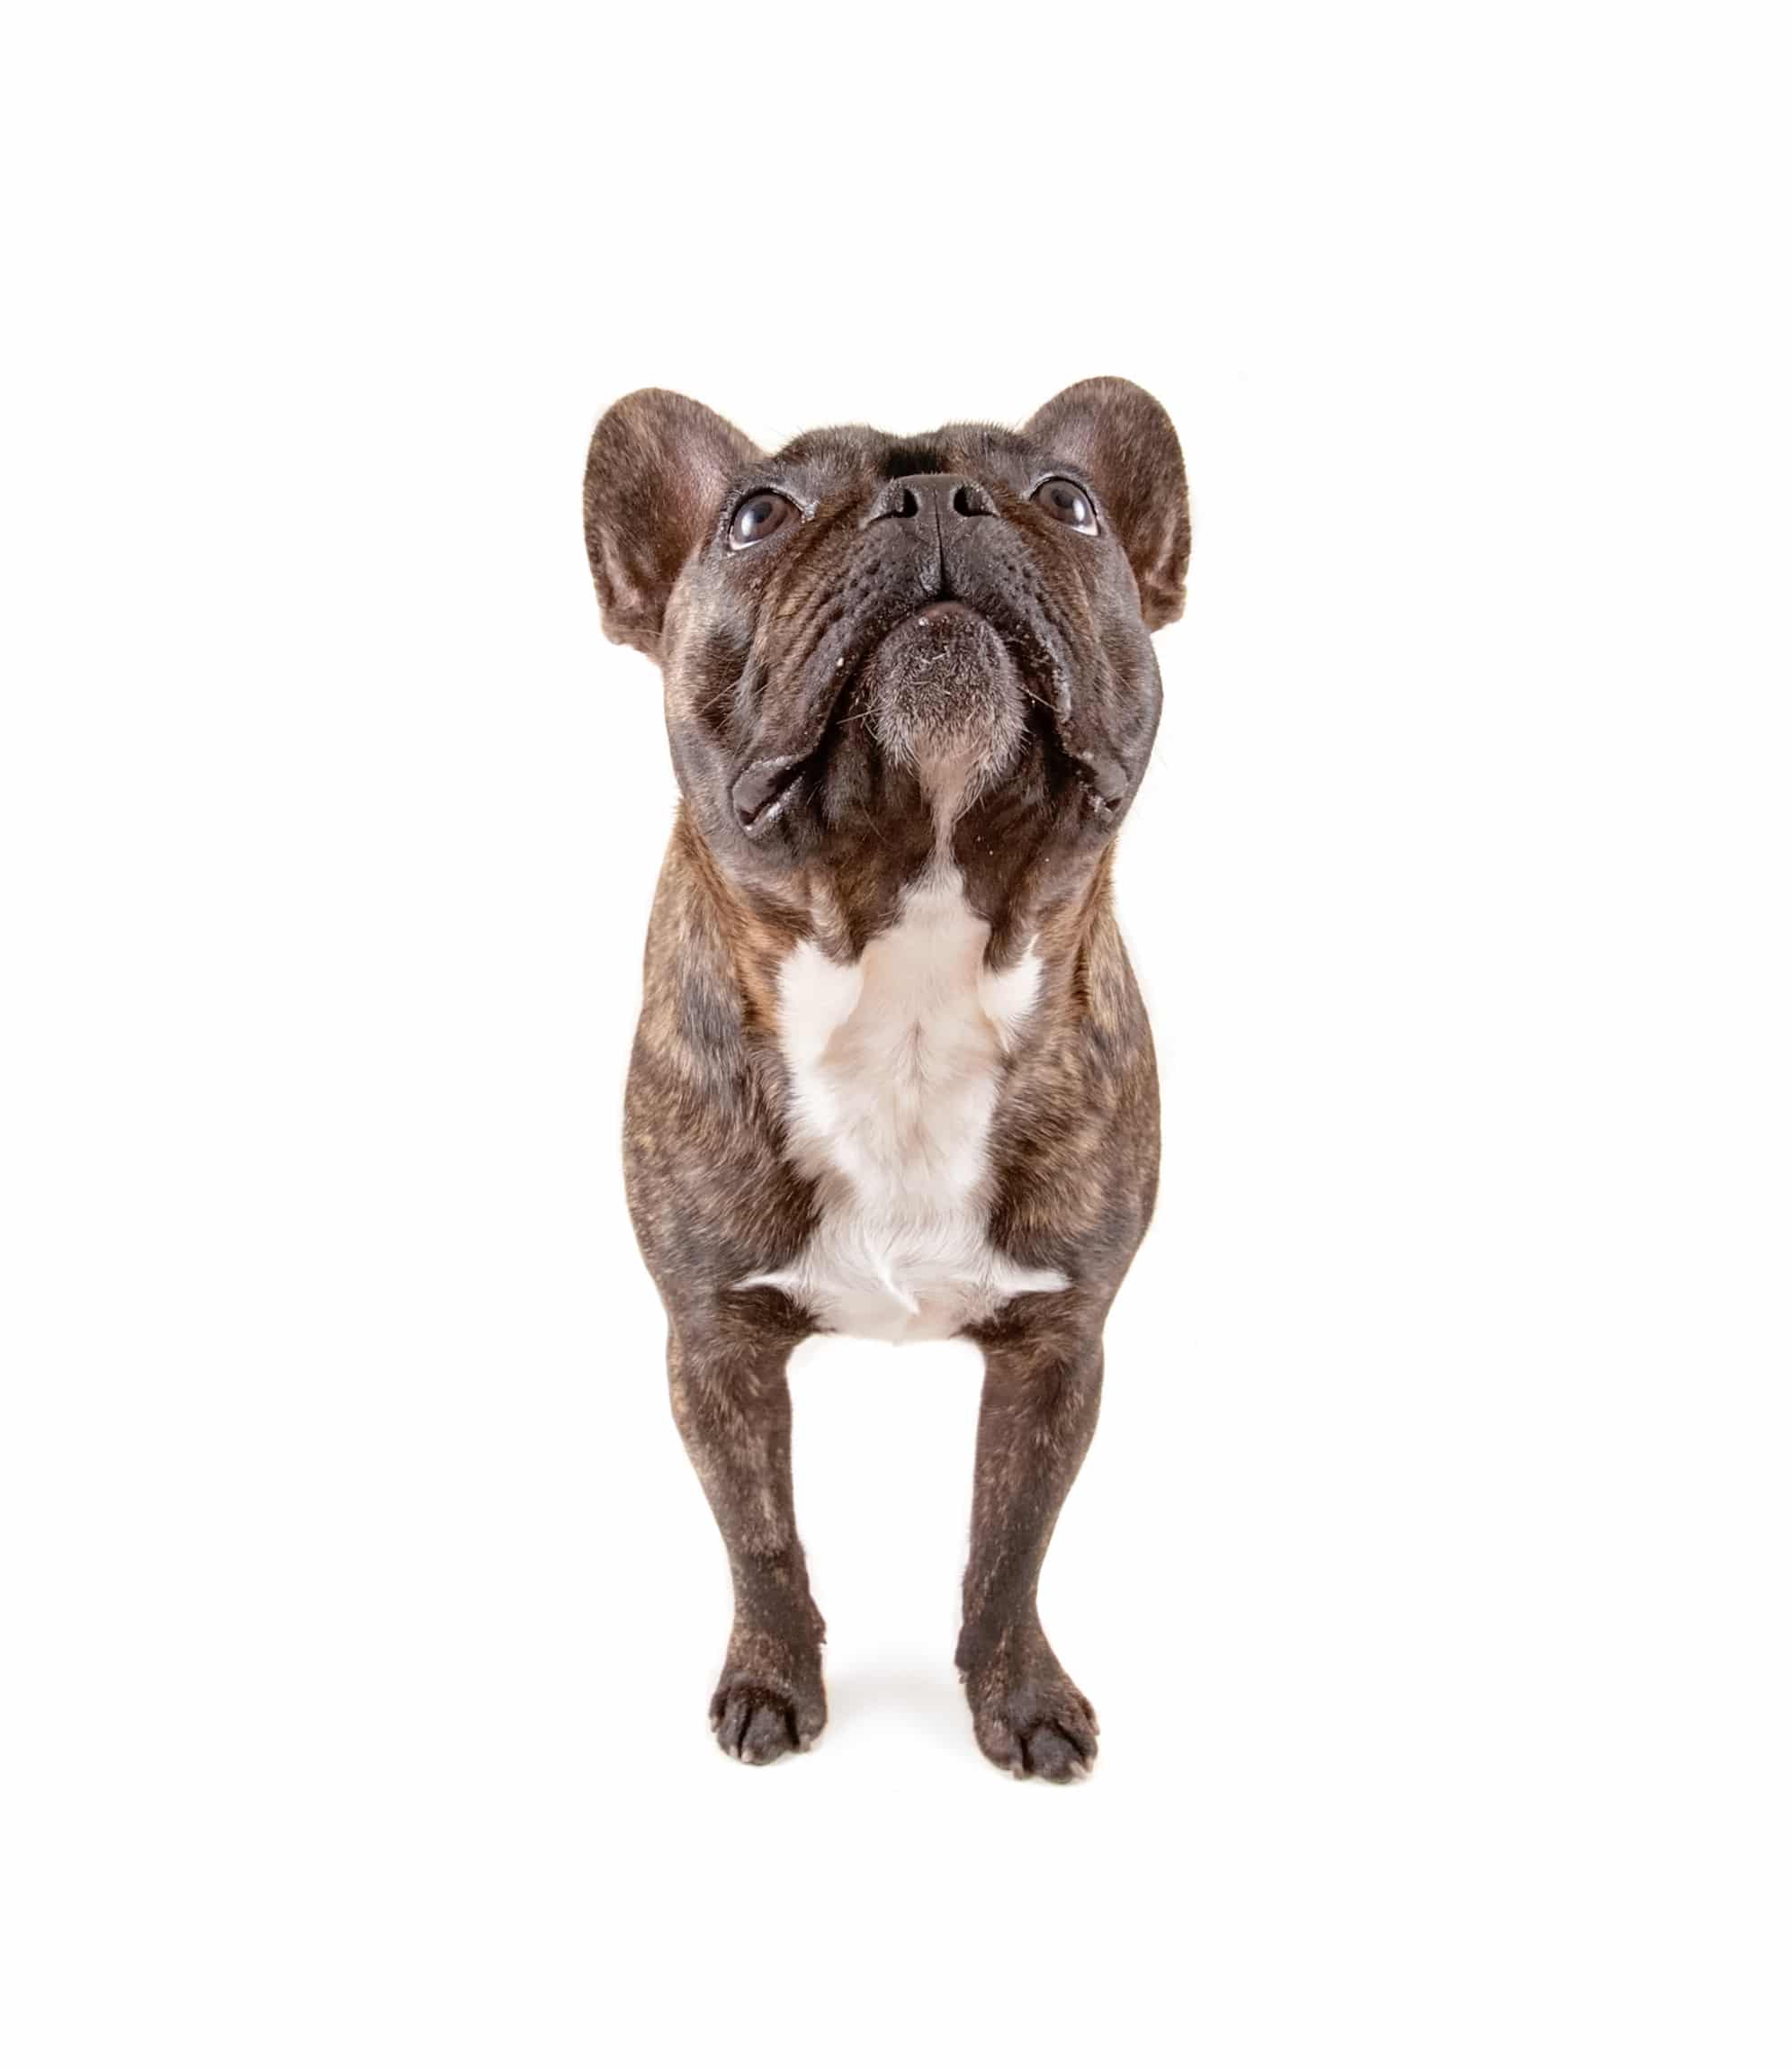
(894, 1065)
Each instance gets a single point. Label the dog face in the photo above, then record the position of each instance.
(873, 643)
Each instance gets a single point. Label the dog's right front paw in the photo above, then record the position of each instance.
(757, 1715)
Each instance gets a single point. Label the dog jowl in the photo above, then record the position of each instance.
(892, 1076)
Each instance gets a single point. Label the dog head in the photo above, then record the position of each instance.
(870, 644)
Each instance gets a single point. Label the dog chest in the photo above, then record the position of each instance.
(894, 1067)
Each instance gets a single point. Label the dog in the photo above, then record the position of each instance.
(892, 1076)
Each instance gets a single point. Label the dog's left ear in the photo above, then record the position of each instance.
(659, 465)
(1124, 441)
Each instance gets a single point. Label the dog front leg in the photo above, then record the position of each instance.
(1042, 1388)
(732, 1403)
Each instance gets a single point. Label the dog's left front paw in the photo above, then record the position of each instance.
(1029, 1717)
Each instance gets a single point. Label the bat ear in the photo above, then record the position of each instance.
(1123, 439)
(659, 465)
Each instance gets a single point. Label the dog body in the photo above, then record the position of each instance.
(892, 1076)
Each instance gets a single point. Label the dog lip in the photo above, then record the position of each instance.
(942, 613)
(762, 787)
(1104, 780)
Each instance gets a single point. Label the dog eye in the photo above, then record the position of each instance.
(758, 518)
(1067, 503)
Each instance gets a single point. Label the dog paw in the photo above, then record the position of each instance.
(757, 1718)
(1031, 1718)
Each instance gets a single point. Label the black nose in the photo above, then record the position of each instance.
(930, 499)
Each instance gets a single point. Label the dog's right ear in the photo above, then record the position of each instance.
(658, 464)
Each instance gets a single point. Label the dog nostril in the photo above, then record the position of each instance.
(967, 504)
(898, 501)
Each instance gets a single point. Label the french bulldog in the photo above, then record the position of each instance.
(892, 1076)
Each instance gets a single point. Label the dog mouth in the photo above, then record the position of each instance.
(763, 789)
(947, 689)
(941, 687)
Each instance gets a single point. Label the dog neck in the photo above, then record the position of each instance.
(1054, 910)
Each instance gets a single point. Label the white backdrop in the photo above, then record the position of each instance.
(1428, 1572)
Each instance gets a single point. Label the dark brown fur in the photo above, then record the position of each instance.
(764, 653)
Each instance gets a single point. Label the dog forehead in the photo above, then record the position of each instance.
(858, 452)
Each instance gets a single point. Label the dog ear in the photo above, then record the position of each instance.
(1123, 440)
(657, 466)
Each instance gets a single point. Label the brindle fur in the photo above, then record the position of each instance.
(762, 652)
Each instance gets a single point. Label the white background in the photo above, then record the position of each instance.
(1429, 1570)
